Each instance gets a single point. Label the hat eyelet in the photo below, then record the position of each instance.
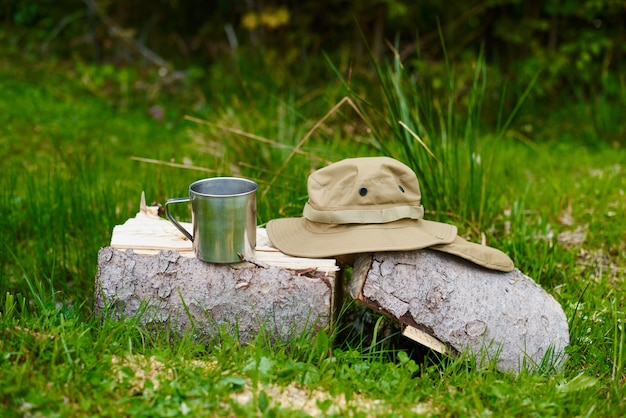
(363, 191)
(401, 188)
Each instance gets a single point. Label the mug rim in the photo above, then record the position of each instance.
(253, 186)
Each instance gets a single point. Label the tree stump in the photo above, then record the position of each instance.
(150, 271)
(452, 305)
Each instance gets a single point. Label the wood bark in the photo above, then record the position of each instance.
(141, 275)
(464, 308)
(186, 294)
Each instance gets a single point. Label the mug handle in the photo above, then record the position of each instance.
(174, 221)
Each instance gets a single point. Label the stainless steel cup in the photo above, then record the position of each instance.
(223, 217)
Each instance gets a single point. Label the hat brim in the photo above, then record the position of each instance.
(300, 237)
(488, 257)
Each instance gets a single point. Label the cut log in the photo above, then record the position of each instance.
(150, 271)
(449, 304)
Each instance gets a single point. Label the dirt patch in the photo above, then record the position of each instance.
(317, 402)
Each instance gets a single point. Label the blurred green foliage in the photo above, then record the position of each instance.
(572, 43)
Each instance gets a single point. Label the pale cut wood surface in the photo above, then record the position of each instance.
(149, 234)
(424, 339)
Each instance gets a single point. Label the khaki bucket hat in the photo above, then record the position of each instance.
(370, 204)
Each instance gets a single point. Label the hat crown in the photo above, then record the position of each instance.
(363, 190)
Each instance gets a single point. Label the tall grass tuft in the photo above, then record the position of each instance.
(442, 138)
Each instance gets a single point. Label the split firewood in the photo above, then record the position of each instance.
(454, 306)
(150, 270)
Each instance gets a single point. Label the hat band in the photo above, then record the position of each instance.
(371, 216)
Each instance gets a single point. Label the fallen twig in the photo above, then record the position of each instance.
(308, 135)
(177, 165)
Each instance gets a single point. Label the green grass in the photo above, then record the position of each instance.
(71, 134)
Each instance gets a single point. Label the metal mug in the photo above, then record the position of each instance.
(223, 213)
